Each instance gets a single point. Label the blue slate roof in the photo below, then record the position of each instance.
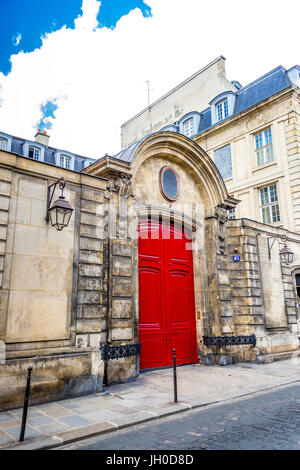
(127, 154)
(268, 85)
(17, 146)
(261, 89)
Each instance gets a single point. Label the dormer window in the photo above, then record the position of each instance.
(222, 106)
(34, 153)
(188, 127)
(65, 161)
(3, 144)
(222, 110)
(189, 124)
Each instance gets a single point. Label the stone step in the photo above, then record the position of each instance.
(267, 358)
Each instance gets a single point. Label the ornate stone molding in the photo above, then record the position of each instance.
(221, 215)
(121, 183)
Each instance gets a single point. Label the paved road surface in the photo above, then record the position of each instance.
(269, 420)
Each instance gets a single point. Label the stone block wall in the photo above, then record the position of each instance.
(245, 279)
(255, 295)
(92, 285)
(262, 291)
(219, 316)
(54, 289)
(120, 316)
(5, 190)
(289, 299)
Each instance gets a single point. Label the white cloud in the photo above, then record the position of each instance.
(88, 20)
(98, 76)
(17, 39)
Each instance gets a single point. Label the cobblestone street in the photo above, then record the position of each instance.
(269, 420)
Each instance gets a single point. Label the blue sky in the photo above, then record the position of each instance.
(82, 81)
(23, 22)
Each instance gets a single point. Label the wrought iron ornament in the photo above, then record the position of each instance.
(117, 352)
(229, 340)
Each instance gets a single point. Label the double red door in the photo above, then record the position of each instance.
(166, 296)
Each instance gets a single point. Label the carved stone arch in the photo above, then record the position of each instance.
(184, 151)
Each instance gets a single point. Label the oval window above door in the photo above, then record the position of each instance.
(169, 183)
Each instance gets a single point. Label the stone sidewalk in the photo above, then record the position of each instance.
(147, 398)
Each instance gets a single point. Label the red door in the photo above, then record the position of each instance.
(166, 296)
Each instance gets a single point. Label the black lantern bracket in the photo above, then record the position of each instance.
(285, 253)
(51, 190)
(60, 212)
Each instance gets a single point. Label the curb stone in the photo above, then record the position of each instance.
(68, 437)
(39, 443)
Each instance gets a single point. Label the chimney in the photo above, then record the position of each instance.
(42, 137)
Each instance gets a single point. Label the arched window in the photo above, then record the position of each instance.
(222, 110)
(222, 106)
(3, 144)
(188, 127)
(65, 159)
(189, 124)
(34, 150)
(34, 153)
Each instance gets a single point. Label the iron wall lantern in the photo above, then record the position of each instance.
(286, 255)
(60, 213)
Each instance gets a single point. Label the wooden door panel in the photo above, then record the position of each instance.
(178, 298)
(184, 342)
(154, 351)
(151, 311)
(166, 296)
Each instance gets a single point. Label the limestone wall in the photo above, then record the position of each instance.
(263, 289)
(53, 283)
(39, 264)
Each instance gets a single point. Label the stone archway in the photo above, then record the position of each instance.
(134, 185)
(203, 191)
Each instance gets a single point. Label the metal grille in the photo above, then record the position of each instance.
(117, 352)
(229, 340)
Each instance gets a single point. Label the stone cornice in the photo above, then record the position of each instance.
(108, 167)
(46, 170)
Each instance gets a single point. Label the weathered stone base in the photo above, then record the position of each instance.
(224, 356)
(271, 346)
(121, 370)
(56, 377)
(277, 345)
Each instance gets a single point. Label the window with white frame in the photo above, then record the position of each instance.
(65, 161)
(269, 205)
(222, 110)
(188, 127)
(34, 153)
(3, 144)
(231, 213)
(264, 147)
